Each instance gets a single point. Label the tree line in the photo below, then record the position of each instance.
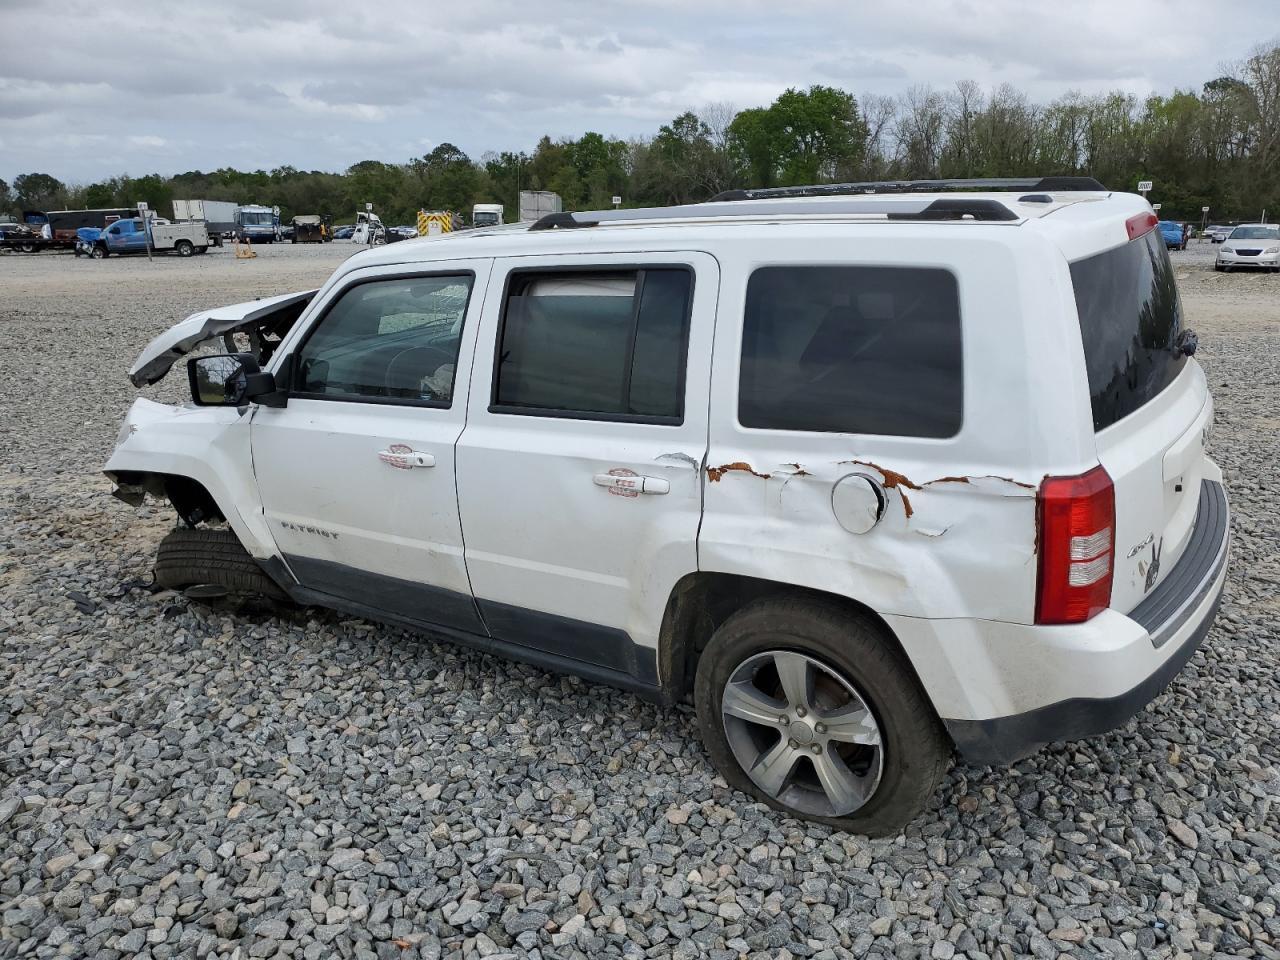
(1217, 147)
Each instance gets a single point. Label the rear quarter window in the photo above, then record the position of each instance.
(1130, 318)
(852, 349)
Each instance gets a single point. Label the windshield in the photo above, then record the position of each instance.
(1255, 233)
(485, 219)
(254, 218)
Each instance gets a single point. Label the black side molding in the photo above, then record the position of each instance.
(595, 653)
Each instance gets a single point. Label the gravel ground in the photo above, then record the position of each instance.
(180, 780)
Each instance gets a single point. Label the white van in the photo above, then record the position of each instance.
(872, 472)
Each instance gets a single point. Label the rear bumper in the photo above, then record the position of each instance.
(1143, 651)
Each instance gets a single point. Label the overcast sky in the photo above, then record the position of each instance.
(90, 89)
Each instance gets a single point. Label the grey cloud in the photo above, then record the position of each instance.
(861, 68)
(323, 83)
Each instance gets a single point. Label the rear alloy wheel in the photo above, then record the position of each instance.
(813, 710)
(802, 718)
(184, 248)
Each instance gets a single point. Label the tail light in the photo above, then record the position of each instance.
(1076, 523)
(1139, 224)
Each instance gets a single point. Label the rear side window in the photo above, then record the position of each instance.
(1130, 318)
(873, 350)
(595, 344)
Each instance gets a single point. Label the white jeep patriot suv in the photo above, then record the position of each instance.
(872, 472)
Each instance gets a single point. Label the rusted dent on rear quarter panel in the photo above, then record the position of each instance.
(892, 480)
(715, 473)
(796, 470)
(901, 482)
(985, 476)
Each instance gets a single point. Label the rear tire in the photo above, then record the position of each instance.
(912, 750)
(184, 248)
(199, 557)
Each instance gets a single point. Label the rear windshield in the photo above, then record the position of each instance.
(1130, 318)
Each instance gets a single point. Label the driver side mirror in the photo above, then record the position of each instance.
(227, 380)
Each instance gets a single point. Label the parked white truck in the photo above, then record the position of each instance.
(486, 215)
(536, 204)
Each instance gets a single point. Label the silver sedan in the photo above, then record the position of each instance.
(1251, 245)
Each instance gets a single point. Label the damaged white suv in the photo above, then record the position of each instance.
(873, 472)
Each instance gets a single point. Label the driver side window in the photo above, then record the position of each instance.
(388, 341)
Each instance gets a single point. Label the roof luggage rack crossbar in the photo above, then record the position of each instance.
(560, 221)
(988, 184)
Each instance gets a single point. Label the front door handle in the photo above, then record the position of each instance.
(403, 457)
(629, 484)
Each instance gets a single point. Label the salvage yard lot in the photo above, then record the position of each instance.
(181, 780)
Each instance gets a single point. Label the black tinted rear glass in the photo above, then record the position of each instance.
(1130, 318)
(860, 349)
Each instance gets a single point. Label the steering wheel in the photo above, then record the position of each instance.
(409, 368)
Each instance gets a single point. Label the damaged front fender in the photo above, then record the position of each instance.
(266, 321)
(178, 452)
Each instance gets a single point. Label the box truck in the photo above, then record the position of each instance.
(536, 204)
(219, 216)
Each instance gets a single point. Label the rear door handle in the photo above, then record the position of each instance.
(628, 483)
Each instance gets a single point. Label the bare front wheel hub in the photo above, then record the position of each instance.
(803, 733)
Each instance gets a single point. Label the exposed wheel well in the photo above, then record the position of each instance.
(194, 504)
(700, 602)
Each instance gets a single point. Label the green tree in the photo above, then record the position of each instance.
(448, 180)
(755, 145)
(819, 135)
(506, 174)
(38, 191)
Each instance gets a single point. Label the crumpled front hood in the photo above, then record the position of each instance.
(166, 349)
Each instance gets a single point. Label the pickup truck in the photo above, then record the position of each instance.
(129, 236)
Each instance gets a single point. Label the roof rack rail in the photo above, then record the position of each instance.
(987, 184)
(560, 221)
(956, 208)
(940, 208)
